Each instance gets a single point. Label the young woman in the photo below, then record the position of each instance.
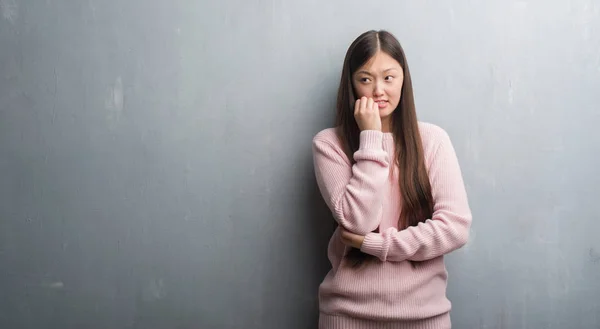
(396, 191)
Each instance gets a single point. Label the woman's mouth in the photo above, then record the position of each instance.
(381, 104)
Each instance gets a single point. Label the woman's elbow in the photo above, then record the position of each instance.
(360, 229)
(462, 231)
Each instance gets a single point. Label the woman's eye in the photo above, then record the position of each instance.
(389, 77)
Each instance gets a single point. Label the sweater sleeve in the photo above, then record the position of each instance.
(353, 192)
(446, 231)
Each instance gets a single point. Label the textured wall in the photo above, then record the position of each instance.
(155, 165)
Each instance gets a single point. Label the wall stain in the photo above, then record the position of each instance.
(10, 10)
(594, 256)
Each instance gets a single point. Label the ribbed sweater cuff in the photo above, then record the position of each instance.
(339, 322)
(374, 244)
(371, 139)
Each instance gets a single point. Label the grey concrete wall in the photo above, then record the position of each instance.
(155, 165)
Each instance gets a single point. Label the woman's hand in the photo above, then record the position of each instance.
(351, 239)
(366, 113)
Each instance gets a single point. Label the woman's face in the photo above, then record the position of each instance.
(380, 78)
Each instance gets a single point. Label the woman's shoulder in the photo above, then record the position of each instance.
(431, 130)
(432, 136)
(329, 136)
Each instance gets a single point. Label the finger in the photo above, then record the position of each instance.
(345, 235)
(370, 104)
(356, 106)
(363, 104)
(375, 107)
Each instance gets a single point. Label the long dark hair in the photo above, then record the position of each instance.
(414, 180)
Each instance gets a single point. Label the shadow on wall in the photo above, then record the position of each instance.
(298, 262)
(320, 226)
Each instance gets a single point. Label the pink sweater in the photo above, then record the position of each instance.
(389, 293)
